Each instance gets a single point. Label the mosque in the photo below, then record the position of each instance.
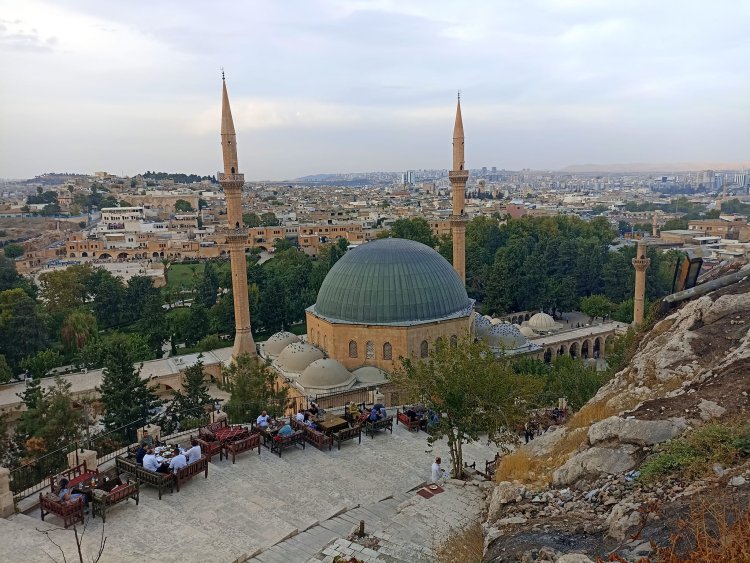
(385, 300)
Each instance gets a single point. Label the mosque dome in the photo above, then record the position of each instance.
(481, 326)
(295, 357)
(495, 321)
(274, 345)
(325, 374)
(527, 331)
(370, 374)
(392, 281)
(507, 336)
(542, 322)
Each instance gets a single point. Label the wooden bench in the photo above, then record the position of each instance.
(191, 470)
(209, 448)
(316, 437)
(382, 424)
(161, 481)
(102, 500)
(70, 511)
(74, 475)
(279, 443)
(347, 434)
(403, 418)
(242, 445)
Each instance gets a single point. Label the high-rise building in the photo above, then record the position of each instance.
(231, 181)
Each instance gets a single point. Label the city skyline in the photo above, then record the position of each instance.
(330, 87)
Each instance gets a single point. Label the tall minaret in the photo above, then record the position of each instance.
(458, 176)
(236, 235)
(640, 263)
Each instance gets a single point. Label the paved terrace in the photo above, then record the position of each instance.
(267, 508)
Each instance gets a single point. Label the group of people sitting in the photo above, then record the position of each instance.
(146, 456)
(378, 412)
(264, 420)
(70, 495)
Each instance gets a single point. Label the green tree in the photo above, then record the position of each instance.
(64, 290)
(208, 286)
(10, 279)
(415, 228)
(251, 220)
(194, 400)
(222, 314)
(268, 219)
(13, 251)
(254, 388)
(42, 362)
(94, 353)
(183, 206)
(78, 329)
(5, 372)
(23, 327)
(109, 300)
(153, 324)
(570, 378)
(596, 306)
(473, 392)
(62, 421)
(127, 399)
(675, 224)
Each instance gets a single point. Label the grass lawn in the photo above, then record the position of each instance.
(182, 274)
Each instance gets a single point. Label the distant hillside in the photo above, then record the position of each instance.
(655, 167)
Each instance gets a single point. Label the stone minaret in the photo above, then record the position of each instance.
(640, 263)
(231, 182)
(654, 230)
(458, 176)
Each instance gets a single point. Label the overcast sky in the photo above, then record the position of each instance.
(357, 85)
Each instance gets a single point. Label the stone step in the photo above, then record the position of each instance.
(33, 523)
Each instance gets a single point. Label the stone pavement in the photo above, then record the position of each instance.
(308, 497)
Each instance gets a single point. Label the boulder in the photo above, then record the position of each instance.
(632, 431)
(505, 492)
(623, 517)
(710, 409)
(594, 462)
(737, 481)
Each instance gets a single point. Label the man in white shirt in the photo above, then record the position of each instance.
(194, 453)
(438, 474)
(262, 420)
(177, 463)
(300, 415)
(151, 464)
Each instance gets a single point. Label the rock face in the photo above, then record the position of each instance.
(637, 432)
(593, 462)
(505, 493)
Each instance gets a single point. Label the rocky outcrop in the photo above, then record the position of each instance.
(593, 462)
(636, 432)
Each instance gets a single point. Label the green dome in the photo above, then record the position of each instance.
(392, 281)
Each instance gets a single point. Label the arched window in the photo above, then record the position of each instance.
(454, 341)
(423, 349)
(352, 349)
(387, 351)
(370, 350)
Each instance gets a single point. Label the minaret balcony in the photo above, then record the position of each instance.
(234, 178)
(641, 263)
(458, 175)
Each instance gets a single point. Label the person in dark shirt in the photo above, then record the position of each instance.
(139, 454)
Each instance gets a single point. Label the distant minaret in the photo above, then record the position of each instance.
(640, 263)
(231, 182)
(458, 176)
(654, 229)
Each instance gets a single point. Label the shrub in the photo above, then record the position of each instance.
(465, 546)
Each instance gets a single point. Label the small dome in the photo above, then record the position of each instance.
(274, 345)
(370, 374)
(495, 321)
(527, 331)
(296, 356)
(506, 336)
(543, 322)
(325, 374)
(481, 326)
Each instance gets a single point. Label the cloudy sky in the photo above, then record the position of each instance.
(359, 85)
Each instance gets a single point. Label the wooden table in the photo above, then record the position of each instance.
(332, 424)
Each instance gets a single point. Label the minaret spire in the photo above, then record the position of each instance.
(458, 177)
(232, 181)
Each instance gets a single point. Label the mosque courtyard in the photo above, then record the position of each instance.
(298, 507)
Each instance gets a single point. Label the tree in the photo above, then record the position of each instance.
(597, 306)
(13, 251)
(63, 290)
(268, 219)
(94, 353)
(193, 401)
(62, 421)
(472, 392)
(183, 206)
(109, 300)
(23, 330)
(41, 363)
(127, 398)
(416, 228)
(153, 324)
(254, 388)
(675, 224)
(78, 329)
(251, 220)
(5, 372)
(10, 279)
(208, 286)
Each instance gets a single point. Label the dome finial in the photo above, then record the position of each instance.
(222, 73)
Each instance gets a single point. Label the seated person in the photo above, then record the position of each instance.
(286, 430)
(352, 411)
(300, 416)
(109, 484)
(412, 414)
(146, 439)
(139, 455)
(382, 413)
(263, 419)
(178, 462)
(70, 496)
(150, 463)
(378, 406)
(374, 415)
(194, 453)
(313, 408)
